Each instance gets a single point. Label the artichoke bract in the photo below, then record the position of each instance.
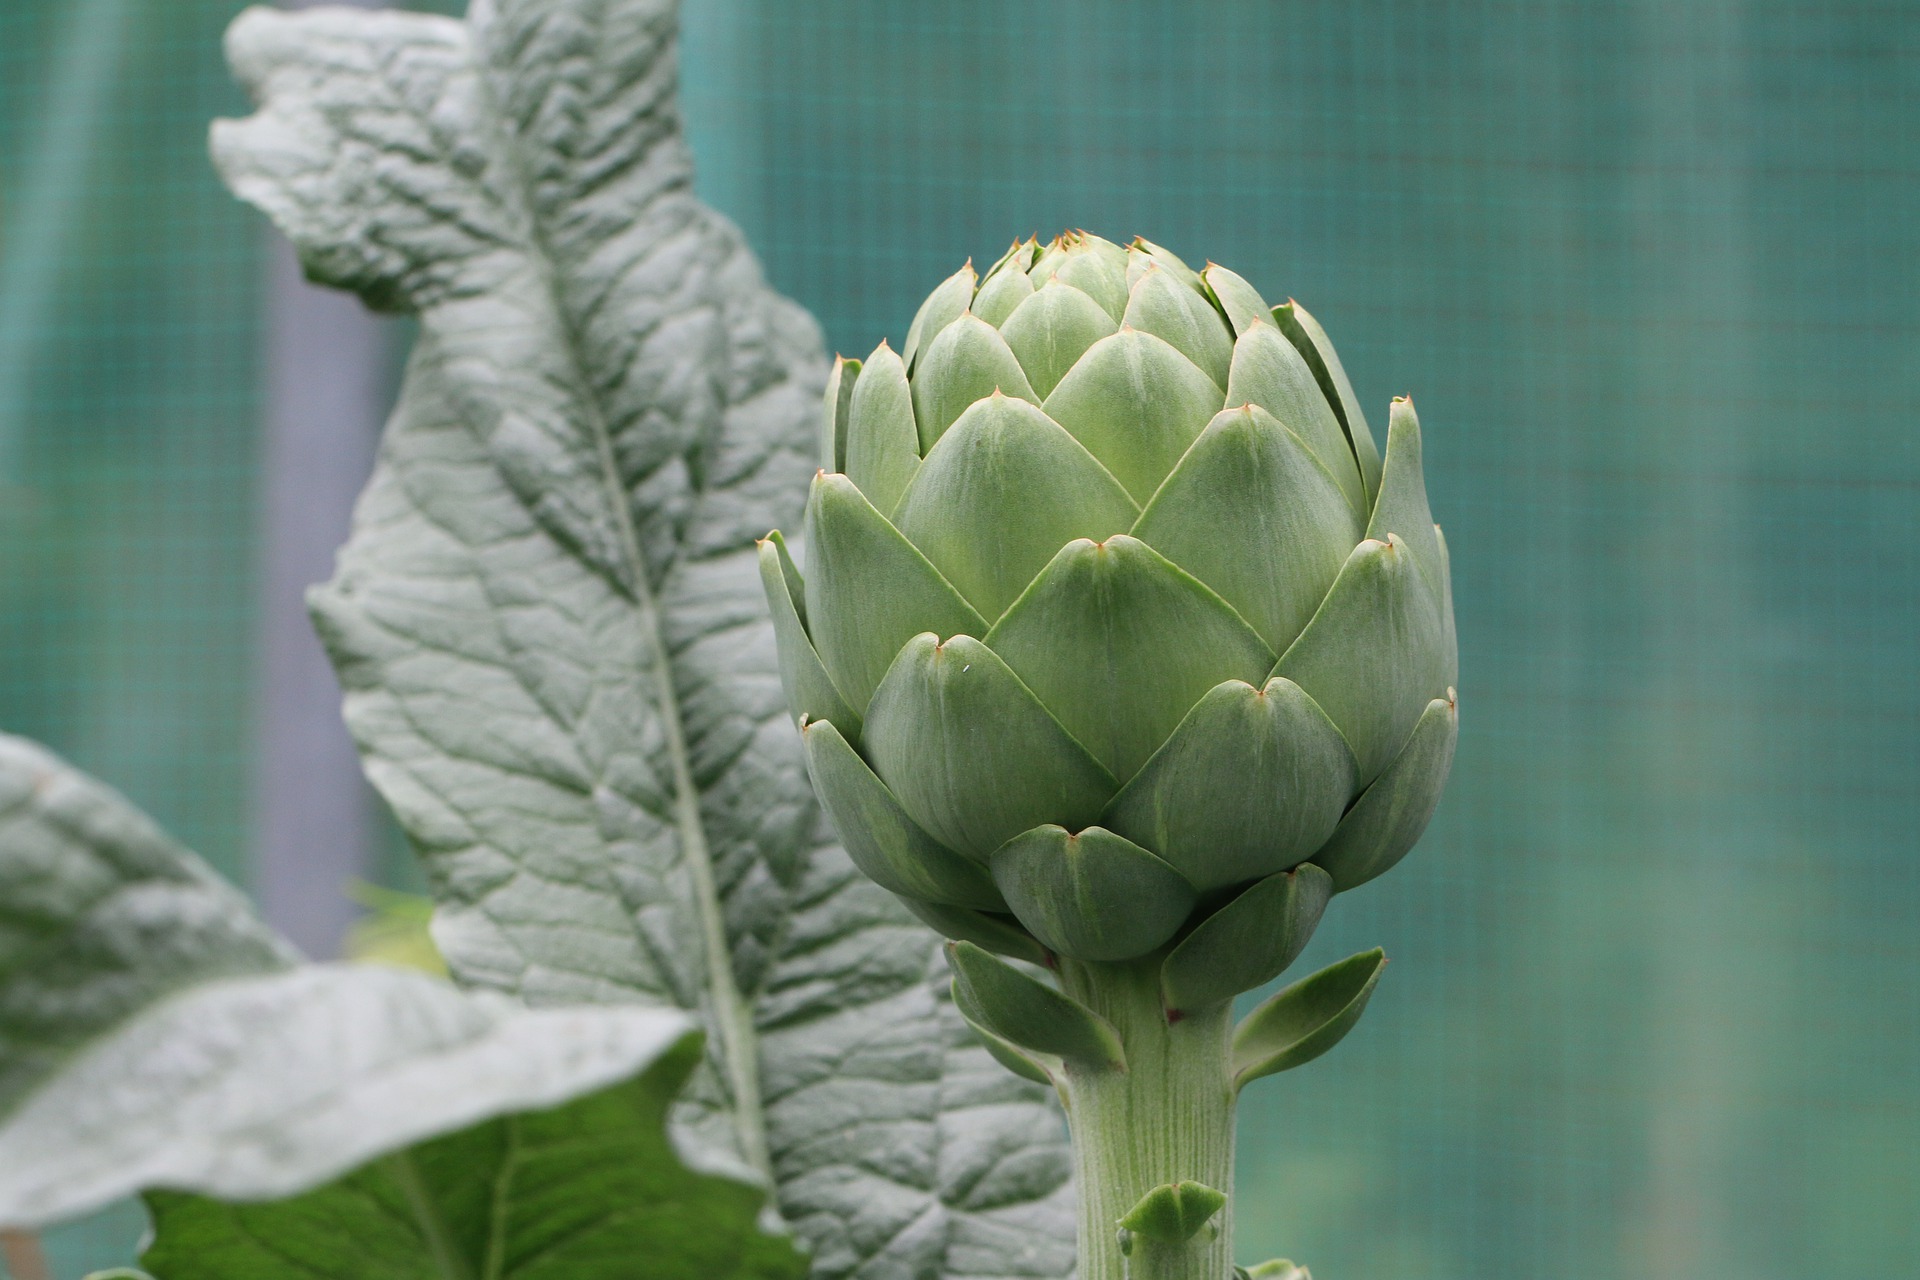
(1117, 636)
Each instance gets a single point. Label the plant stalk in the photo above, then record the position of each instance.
(1167, 1119)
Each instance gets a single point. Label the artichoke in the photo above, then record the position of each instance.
(1116, 632)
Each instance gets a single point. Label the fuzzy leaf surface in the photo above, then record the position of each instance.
(549, 618)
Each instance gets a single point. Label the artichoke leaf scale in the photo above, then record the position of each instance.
(1091, 895)
(1390, 816)
(1267, 371)
(889, 847)
(1052, 329)
(882, 442)
(810, 690)
(869, 590)
(1401, 505)
(968, 361)
(1168, 307)
(1242, 303)
(1096, 266)
(1004, 489)
(1312, 342)
(1118, 643)
(947, 303)
(971, 754)
(1248, 942)
(1372, 656)
(1251, 512)
(1137, 404)
(1250, 784)
(1005, 289)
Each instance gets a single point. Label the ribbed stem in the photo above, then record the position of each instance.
(1168, 1118)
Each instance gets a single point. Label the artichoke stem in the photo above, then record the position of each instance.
(1167, 1118)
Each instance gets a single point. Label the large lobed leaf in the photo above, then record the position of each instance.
(360, 1121)
(549, 620)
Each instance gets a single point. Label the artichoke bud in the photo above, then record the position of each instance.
(1117, 636)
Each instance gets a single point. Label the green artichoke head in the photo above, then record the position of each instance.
(1116, 634)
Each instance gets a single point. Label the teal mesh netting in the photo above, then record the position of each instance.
(1648, 269)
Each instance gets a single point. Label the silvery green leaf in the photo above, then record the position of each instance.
(158, 1035)
(549, 619)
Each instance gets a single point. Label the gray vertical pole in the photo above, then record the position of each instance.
(326, 390)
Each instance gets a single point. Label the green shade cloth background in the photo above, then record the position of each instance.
(1648, 269)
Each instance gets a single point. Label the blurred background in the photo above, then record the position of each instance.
(1649, 268)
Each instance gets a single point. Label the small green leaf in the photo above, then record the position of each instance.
(1119, 643)
(883, 444)
(1173, 1213)
(948, 301)
(998, 934)
(1013, 1058)
(1386, 822)
(1372, 656)
(1401, 506)
(869, 590)
(1276, 1269)
(1252, 781)
(1247, 943)
(1168, 306)
(1254, 515)
(1312, 342)
(810, 691)
(833, 412)
(881, 839)
(1092, 895)
(1004, 290)
(1052, 329)
(971, 754)
(580, 1190)
(1269, 372)
(1003, 491)
(968, 361)
(1300, 1022)
(1242, 303)
(1136, 403)
(1028, 1013)
(1449, 639)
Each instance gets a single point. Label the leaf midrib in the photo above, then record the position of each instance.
(733, 1028)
